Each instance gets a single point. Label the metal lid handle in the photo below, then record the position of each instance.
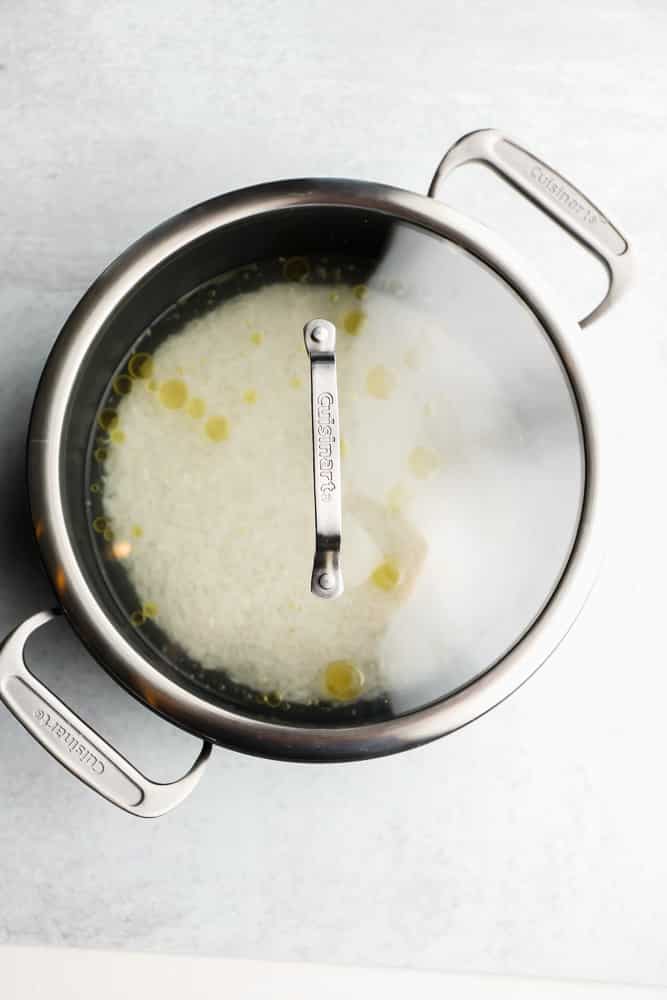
(78, 747)
(553, 195)
(327, 577)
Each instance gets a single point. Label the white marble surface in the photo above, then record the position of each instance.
(77, 974)
(533, 842)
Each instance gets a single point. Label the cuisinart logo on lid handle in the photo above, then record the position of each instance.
(326, 438)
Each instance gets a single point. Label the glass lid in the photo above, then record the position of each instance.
(461, 477)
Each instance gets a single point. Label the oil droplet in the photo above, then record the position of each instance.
(272, 698)
(173, 393)
(100, 525)
(197, 408)
(140, 365)
(149, 609)
(137, 530)
(360, 292)
(296, 382)
(121, 550)
(343, 447)
(217, 428)
(423, 462)
(411, 358)
(122, 384)
(250, 396)
(397, 497)
(137, 618)
(387, 575)
(117, 436)
(296, 268)
(108, 419)
(334, 296)
(380, 382)
(101, 455)
(95, 488)
(108, 535)
(343, 680)
(353, 321)
(257, 337)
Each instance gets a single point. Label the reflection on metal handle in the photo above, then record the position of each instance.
(554, 195)
(320, 338)
(78, 747)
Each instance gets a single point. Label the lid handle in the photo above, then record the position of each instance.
(320, 339)
(553, 195)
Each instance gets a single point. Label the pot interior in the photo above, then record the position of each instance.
(187, 467)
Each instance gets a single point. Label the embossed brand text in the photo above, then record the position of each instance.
(60, 732)
(565, 196)
(326, 439)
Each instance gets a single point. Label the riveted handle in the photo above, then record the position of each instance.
(553, 195)
(74, 744)
(327, 577)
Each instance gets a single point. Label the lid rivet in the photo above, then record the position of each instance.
(326, 581)
(318, 334)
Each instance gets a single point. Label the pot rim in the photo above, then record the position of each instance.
(192, 712)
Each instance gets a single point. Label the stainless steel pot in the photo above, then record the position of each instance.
(159, 269)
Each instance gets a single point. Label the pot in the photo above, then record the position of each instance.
(455, 371)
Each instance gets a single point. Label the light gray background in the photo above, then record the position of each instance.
(532, 842)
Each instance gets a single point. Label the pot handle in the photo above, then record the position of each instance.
(553, 195)
(78, 747)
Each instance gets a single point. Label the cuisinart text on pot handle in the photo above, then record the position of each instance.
(553, 194)
(320, 339)
(78, 747)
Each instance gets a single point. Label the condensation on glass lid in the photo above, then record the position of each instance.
(203, 466)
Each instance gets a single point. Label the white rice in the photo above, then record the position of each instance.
(227, 538)
(455, 479)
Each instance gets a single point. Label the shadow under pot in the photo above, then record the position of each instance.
(315, 472)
